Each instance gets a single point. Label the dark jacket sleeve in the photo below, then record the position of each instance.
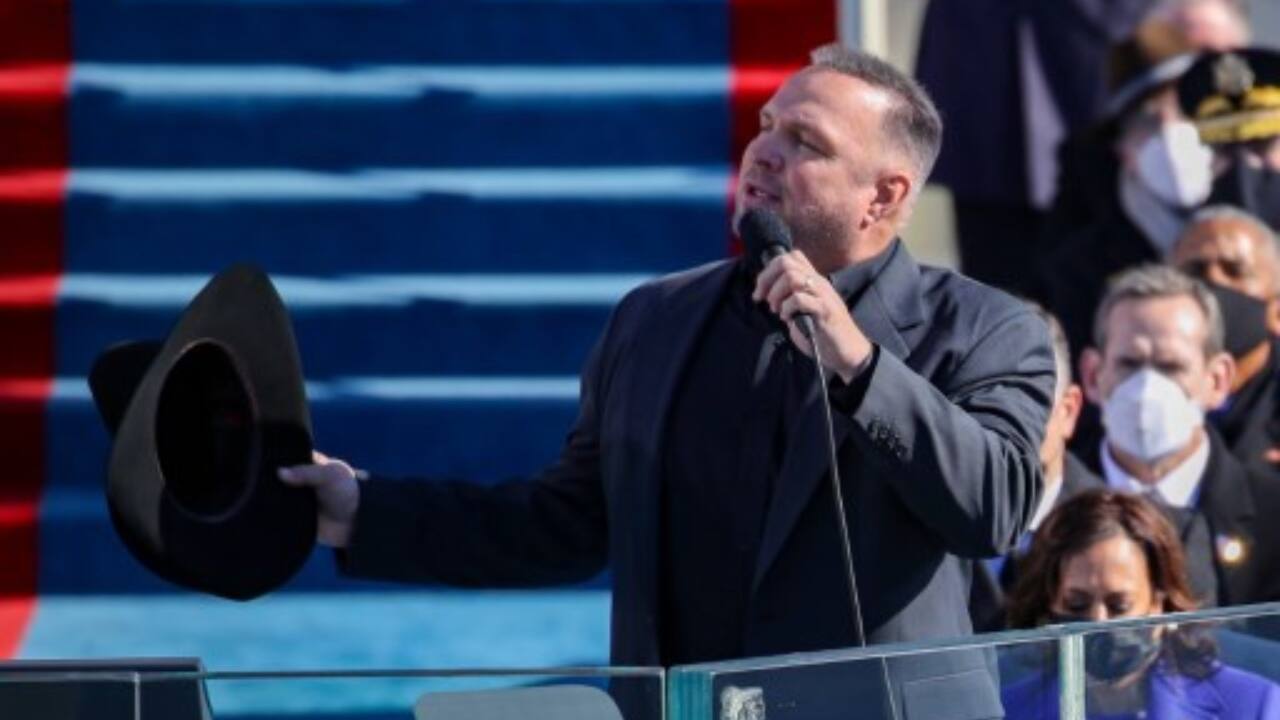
(966, 463)
(545, 530)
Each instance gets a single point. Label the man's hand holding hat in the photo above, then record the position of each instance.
(337, 489)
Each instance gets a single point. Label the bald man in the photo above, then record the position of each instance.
(1183, 25)
(1238, 256)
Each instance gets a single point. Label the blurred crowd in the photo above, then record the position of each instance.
(1118, 163)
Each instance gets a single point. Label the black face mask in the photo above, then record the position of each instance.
(1116, 654)
(1256, 189)
(1244, 318)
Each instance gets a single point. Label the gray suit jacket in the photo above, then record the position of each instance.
(938, 457)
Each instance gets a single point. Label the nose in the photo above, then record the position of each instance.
(763, 152)
(1098, 613)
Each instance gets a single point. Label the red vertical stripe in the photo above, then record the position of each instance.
(32, 115)
(769, 39)
(35, 31)
(35, 54)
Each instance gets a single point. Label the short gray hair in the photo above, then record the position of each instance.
(1159, 281)
(1061, 349)
(1223, 212)
(912, 124)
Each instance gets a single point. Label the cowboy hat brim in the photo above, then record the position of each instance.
(221, 405)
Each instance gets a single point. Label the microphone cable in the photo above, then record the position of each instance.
(846, 544)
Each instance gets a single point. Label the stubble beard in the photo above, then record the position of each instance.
(823, 237)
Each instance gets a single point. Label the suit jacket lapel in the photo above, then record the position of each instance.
(670, 332)
(677, 324)
(805, 464)
(1225, 495)
(1226, 499)
(891, 303)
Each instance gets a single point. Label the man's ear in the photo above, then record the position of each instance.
(1221, 369)
(1090, 368)
(892, 191)
(1069, 407)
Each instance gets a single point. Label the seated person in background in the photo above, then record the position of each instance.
(1162, 173)
(1234, 100)
(1238, 257)
(1157, 367)
(1065, 476)
(1105, 555)
(1130, 181)
(1089, 165)
(1178, 26)
(1012, 78)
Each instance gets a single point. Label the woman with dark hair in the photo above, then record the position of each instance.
(1104, 555)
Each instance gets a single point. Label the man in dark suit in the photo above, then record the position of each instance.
(1065, 476)
(1238, 258)
(1157, 366)
(698, 465)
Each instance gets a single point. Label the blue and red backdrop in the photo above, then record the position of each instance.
(450, 196)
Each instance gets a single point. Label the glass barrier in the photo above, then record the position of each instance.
(1226, 667)
(1222, 663)
(139, 690)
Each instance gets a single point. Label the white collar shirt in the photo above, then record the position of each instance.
(1180, 488)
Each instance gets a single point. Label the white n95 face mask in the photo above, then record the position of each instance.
(1149, 416)
(1175, 166)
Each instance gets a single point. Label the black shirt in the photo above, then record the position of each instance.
(745, 388)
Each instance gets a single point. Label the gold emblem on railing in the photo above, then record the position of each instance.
(742, 703)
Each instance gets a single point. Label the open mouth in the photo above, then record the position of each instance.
(758, 194)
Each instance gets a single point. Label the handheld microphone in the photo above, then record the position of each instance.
(765, 236)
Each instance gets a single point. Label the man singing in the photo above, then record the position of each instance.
(697, 468)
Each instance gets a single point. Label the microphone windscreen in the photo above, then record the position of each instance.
(764, 234)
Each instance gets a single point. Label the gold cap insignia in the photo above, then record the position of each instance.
(1232, 76)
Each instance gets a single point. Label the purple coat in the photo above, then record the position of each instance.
(1226, 694)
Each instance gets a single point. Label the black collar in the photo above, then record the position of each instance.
(883, 293)
(1251, 403)
(852, 280)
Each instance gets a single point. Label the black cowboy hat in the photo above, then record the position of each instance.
(201, 423)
